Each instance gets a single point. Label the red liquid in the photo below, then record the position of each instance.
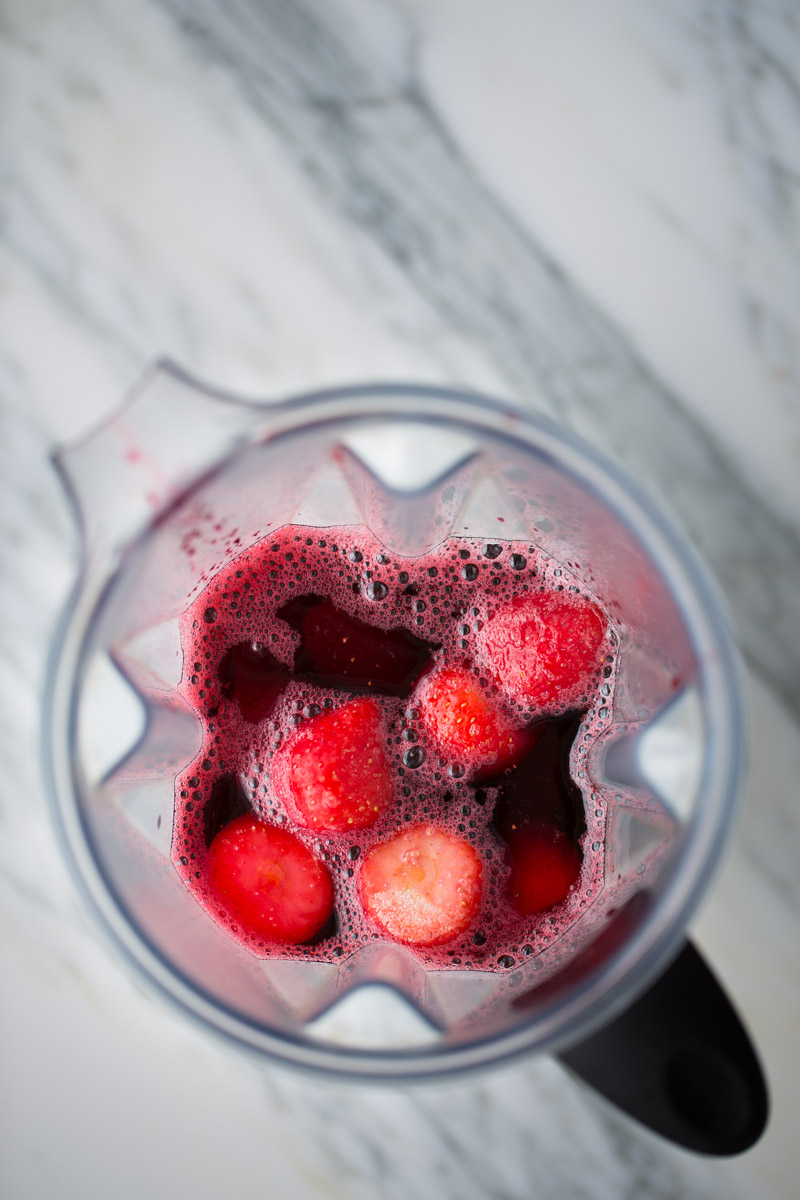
(306, 619)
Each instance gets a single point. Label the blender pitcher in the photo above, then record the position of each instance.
(185, 478)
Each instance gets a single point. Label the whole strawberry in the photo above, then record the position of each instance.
(334, 773)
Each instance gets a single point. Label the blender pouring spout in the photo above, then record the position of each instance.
(125, 474)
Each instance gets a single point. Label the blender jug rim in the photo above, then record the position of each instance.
(602, 995)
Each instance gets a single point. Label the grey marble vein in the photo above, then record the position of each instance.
(359, 126)
(753, 46)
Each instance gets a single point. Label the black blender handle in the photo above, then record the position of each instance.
(679, 1061)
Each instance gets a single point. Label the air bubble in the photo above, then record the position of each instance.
(518, 562)
(492, 550)
(210, 616)
(414, 757)
(377, 590)
(469, 572)
(456, 771)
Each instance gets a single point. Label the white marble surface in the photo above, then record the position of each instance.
(594, 208)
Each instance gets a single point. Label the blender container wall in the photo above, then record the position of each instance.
(180, 483)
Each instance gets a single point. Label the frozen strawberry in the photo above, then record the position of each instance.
(272, 886)
(422, 887)
(253, 678)
(338, 650)
(544, 866)
(334, 773)
(466, 725)
(543, 649)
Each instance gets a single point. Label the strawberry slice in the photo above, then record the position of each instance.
(338, 650)
(334, 773)
(544, 649)
(268, 882)
(466, 725)
(422, 887)
(253, 678)
(544, 866)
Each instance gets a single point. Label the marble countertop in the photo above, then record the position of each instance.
(592, 209)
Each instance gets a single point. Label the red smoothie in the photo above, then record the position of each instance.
(394, 749)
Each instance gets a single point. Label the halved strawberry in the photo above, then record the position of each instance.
(466, 725)
(543, 649)
(422, 887)
(268, 881)
(334, 773)
(544, 866)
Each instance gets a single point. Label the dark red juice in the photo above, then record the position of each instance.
(307, 622)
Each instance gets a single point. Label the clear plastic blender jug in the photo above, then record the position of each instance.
(185, 478)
